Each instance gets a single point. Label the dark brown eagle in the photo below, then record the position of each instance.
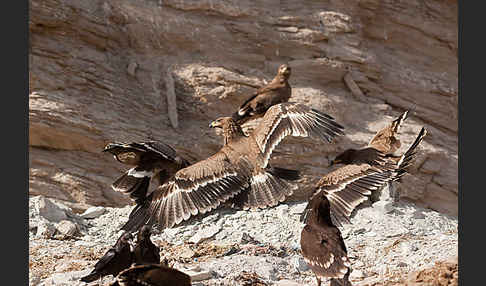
(152, 275)
(151, 159)
(275, 92)
(145, 251)
(322, 245)
(352, 184)
(116, 259)
(240, 166)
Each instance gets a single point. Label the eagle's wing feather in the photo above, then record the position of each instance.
(199, 188)
(296, 120)
(351, 185)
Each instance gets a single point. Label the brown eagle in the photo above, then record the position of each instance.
(382, 145)
(322, 245)
(350, 185)
(116, 259)
(151, 159)
(152, 274)
(275, 92)
(145, 251)
(239, 168)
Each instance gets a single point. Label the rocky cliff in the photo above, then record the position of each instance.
(125, 70)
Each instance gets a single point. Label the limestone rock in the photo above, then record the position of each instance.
(200, 275)
(50, 211)
(67, 229)
(205, 233)
(93, 212)
(45, 229)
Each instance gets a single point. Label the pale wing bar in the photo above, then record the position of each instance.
(293, 119)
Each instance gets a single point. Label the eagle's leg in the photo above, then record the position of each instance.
(318, 281)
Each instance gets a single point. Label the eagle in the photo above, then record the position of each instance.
(383, 144)
(275, 92)
(151, 274)
(151, 159)
(116, 259)
(352, 184)
(322, 244)
(145, 251)
(239, 168)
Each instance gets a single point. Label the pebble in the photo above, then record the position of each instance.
(187, 253)
(355, 274)
(402, 264)
(360, 231)
(300, 264)
(418, 215)
(131, 68)
(93, 212)
(370, 233)
(67, 229)
(198, 275)
(45, 229)
(205, 233)
(266, 271)
(384, 206)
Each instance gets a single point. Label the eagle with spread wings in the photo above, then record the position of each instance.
(352, 184)
(237, 171)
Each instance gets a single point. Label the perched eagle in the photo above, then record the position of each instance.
(239, 168)
(145, 251)
(151, 159)
(322, 245)
(352, 184)
(383, 144)
(116, 259)
(152, 275)
(275, 92)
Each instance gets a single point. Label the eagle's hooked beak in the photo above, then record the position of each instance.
(214, 124)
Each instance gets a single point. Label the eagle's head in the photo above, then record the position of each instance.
(231, 129)
(284, 70)
(222, 122)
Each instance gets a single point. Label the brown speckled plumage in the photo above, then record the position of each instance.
(352, 184)
(152, 275)
(275, 92)
(321, 242)
(238, 170)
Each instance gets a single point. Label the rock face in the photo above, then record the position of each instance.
(125, 70)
